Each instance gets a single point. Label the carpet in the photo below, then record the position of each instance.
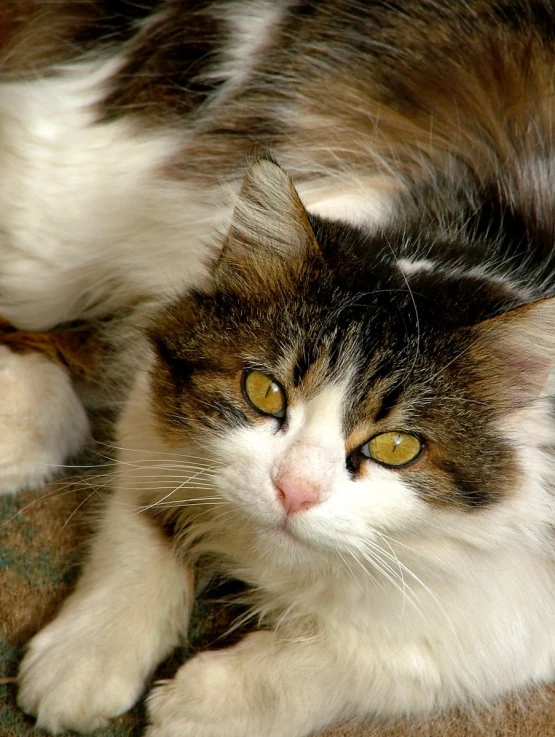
(42, 541)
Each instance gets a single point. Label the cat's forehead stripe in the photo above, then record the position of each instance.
(388, 401)
(322, 363)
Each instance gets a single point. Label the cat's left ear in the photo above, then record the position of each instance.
(269, 223)
(516, 351)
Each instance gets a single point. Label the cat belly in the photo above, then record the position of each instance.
(88, 221)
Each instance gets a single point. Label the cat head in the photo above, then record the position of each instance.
(345, 391)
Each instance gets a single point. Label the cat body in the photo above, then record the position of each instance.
(394, 286)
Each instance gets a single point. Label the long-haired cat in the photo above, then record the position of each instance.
(336, 221)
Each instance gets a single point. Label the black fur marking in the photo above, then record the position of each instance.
(306, 359)
(166, 64)
(475, 489)
(389, 401)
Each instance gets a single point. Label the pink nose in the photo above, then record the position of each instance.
(296, 492)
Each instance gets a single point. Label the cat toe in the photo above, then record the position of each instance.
(68, 681)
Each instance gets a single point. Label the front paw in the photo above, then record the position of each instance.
(208, 698)
(181, 707)
(71, 678)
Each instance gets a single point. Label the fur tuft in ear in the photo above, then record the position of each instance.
(516, 350)
(269, 223)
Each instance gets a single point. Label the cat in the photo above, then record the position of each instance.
(329, 226)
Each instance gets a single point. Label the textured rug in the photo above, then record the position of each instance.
(42, 541)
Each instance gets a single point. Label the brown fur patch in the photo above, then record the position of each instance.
(35, 35)
(162, 73)
(420, 92)
(80, 349)
(22, 341)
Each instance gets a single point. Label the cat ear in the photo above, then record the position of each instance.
(269, 222)
(516, 350)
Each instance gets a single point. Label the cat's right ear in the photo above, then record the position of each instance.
(516, 352)
(270, 226)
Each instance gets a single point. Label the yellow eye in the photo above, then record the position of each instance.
(265, 394)
(393, 448)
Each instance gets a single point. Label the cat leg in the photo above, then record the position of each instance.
(262, 686)
(42, 420)
(127, 613)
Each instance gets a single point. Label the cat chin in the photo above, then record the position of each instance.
(290, 543)
(280, 539)
(280, 550)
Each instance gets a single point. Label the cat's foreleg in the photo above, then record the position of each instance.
(262, 686)
(127, 613)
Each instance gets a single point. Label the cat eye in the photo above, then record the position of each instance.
(393, 448)
(264, 393)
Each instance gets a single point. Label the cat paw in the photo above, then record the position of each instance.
(72, 680)
(199, 702)
(172, 715)
(42, 421)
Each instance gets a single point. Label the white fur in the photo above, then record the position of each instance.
(410, 267)
(42, 421)
(377, 603)
(380, 603)
(251, 25)
(89, 221)
(364, 203)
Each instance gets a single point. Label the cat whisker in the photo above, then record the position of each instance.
(139, 464)
(160, 480)
(78, 466)
(374, 558)
(240, 622)
(349, 569)
(171, 488)
(186, 503)
(184, 455)
(416, 315)
(135, 478)
(47, 496)
(381, 553)
(456, 399)
(187, 481)
(68, 520)
(286, 614)
(366, 572)
(418, 580)
(458, 355)
(400, 569)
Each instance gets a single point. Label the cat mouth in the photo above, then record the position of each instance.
(289, 530)
(282, 530)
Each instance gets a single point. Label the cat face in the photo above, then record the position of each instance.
(343, 391)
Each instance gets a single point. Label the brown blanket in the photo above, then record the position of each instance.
(42, 541)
